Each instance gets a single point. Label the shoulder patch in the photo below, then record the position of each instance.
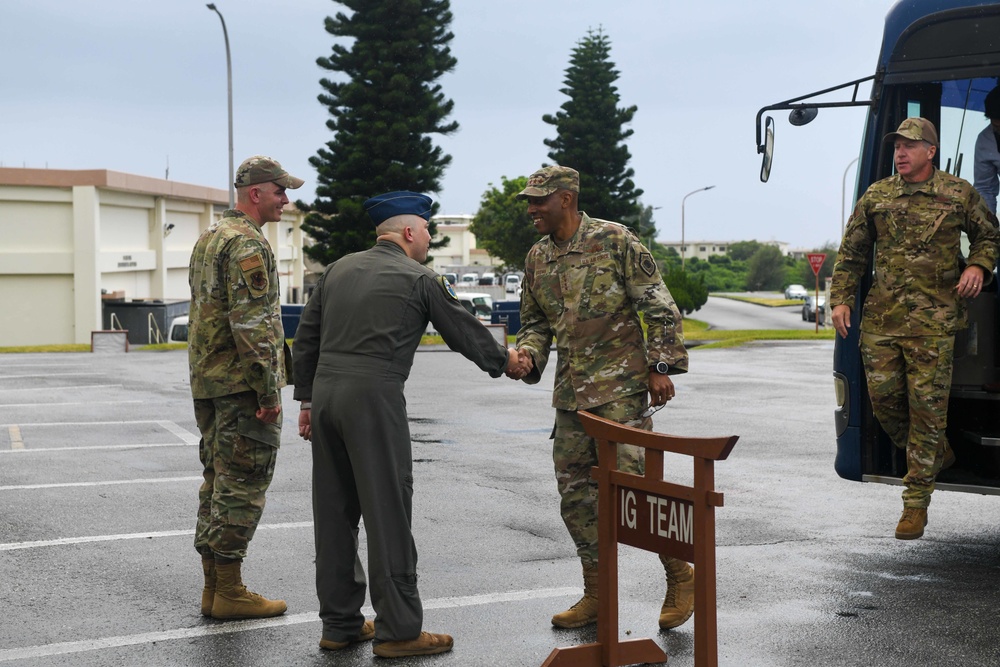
(647, 264)
(255, 274)
(251, 262)
(446, 286)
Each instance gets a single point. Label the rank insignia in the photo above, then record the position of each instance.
(647, 264)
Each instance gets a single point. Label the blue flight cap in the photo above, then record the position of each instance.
(400, 202)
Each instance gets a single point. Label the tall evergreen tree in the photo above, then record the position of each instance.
(590, 134)
(381, 116)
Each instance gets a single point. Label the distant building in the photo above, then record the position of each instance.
(705, 249)
(71, 239)
(461, 250)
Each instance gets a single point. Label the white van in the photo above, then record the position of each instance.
(511, 283)
(479, 304)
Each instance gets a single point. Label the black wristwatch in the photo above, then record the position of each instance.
(660, 367)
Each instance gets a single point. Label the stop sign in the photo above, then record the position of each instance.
(816, 260)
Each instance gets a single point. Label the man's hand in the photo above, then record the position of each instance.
(661, 388)
(970, 284)
(519, 363)
(305, 424)
(841, 316)
(269, 415)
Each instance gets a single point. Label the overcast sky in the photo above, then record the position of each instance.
(132, 85)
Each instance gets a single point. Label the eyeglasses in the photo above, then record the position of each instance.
(651, 410)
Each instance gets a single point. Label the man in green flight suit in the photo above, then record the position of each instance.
(915, 219)
(353, 352)
(585, 283)
(239, 363)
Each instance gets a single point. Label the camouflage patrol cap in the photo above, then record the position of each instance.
(547, 180)
(916, 129)
(263, 169)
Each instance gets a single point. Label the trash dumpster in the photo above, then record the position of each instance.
(509, 313)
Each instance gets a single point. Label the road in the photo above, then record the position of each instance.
(722, 313)
(99, 471)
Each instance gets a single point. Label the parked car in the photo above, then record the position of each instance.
(479, 304)
(511, 283)
(469, 279)
(795, 292)
(488, 279)
(178, 330)
(809, 308)
(451, 277)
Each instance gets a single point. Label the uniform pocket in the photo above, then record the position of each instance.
(256, 448)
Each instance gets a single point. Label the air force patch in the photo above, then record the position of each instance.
(647, 264)
(446, 286)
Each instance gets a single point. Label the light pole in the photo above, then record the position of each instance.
(693, 192)
(843, 193)
(229, 91)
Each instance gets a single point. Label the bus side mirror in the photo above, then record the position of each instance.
(767, 149)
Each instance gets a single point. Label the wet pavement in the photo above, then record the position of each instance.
(99, 473)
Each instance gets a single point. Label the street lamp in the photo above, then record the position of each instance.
(229, 79)
(843, 189)
(708, 187)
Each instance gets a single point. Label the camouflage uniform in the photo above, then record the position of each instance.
(588, 295)
(238, 360)
(913, 309)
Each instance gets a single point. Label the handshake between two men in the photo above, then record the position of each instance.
(519, 363)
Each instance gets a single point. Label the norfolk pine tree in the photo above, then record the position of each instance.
(381, 116)
(590, 135)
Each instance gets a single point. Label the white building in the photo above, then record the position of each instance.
(705, 249)
(69, 235)
(461, 249)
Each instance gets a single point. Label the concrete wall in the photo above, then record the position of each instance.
(68, 235)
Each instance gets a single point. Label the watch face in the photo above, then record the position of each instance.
(661, 367)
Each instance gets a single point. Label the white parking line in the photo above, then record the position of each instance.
(153, 480)
(89, 539)
(49, 405)
(46, 375)
(182, 433)
(36, 450)
(69, 386)
(64, 648)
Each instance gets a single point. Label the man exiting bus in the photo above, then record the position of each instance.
(916, 303)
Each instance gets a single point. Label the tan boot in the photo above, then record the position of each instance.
(584, 612)
(366, 633)
(233, 600)
(208, 593)
(911, 524)
(678, 605)
(427, 643)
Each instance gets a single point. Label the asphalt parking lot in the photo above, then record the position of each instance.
(99, 473)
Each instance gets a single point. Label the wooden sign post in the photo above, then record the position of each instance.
(646, 512)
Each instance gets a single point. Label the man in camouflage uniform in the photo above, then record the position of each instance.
(585, 283)
(239, 363)
(916, 303)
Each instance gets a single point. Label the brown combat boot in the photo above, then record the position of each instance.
(911, 524)
(427, 643)
(678, 605)
(233, 600)
(367, 632)
(584, 612)
(208, 593)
